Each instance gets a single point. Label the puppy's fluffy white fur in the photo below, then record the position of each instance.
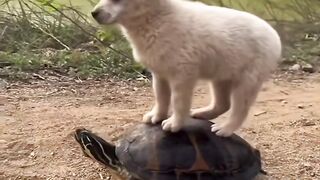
(181, 42)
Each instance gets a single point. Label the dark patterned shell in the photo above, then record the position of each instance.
(194, 153)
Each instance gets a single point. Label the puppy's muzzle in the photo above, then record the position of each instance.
(101, 16)
(95, 13)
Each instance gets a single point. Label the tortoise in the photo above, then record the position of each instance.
(146, 152)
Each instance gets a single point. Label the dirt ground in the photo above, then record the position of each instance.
(37, 121)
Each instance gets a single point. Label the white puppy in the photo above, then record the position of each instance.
(181, 42)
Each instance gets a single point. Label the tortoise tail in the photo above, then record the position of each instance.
(258, 154)
(98, 149)
(263, 172)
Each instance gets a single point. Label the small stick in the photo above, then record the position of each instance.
(260, 113)
(284, 92)
(2, 33)
(101, 176)
(38, 76)
(52, 36)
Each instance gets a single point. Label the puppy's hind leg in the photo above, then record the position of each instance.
(162, 101)
(220, 92)
(243, 96)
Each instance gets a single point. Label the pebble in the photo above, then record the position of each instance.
(308, 123)
(308, 68)
(32, 155)
(3, 144)
(307, 166)
(295, 67)
(3, 84)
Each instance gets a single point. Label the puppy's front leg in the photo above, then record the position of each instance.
(162, 100)
(181, 102)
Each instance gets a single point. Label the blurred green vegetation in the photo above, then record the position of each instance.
(39, 35)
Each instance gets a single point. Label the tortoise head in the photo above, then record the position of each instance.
(98, 149)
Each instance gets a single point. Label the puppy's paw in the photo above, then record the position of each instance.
(224, 130)
(153, 118)
(171, 124)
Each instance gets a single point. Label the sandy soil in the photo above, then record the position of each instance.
(37, 121)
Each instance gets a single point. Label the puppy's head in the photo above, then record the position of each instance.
(114, 11)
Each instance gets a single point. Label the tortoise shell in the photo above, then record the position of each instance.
(194, 153)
